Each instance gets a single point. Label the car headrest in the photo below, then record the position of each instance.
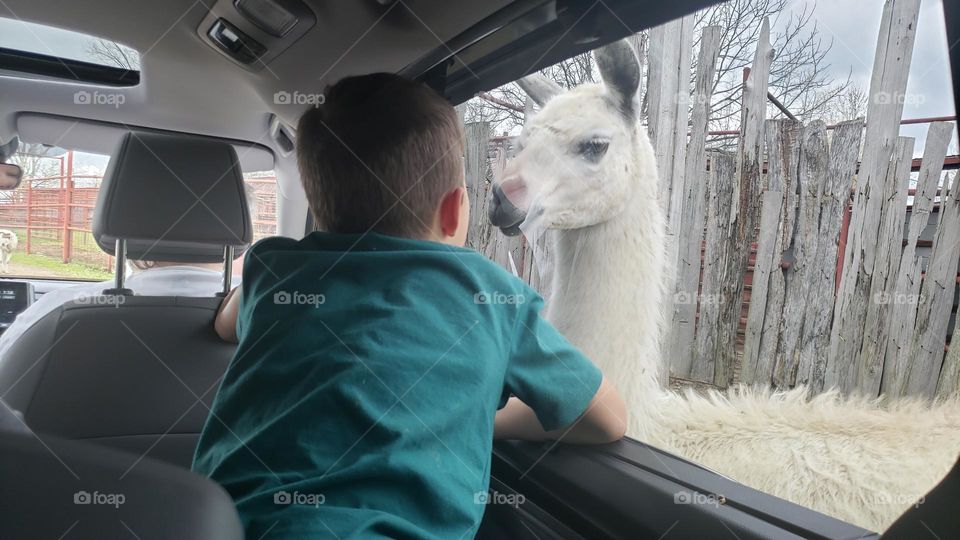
(177, 198)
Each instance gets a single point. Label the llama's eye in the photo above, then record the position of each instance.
(594, 149)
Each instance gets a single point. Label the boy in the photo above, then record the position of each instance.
(373, 357)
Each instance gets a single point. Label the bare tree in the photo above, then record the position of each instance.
(799, 75)
(113, 54)
(35, 161)
(504, 107)
(849, 104)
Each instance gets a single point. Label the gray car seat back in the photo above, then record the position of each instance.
(140, 377)
(173, 198)
(66, 489)
(139, 373)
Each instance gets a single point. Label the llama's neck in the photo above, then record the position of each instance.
(606, 297)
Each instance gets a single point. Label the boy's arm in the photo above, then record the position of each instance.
(604, 421)
(226, 322)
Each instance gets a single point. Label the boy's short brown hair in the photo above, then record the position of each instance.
(379, 154)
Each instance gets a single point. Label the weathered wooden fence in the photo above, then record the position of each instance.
(801, 257)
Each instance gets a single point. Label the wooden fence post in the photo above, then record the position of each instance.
(760, 346)
(478, 184)
(682, 325)
(815, 337)
(28, 212)
(712, 334)
(668, 90)
(936, 302)
(767, 263)
(746, 203)
(887, 86)
(949, 383)
(908, 275)
(881, 301)
(812, 173)
(67, 183)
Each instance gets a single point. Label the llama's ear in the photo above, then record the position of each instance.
(620, 71)
(539, 88)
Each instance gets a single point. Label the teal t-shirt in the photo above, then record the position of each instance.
(361, 399)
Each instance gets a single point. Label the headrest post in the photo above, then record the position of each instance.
(227, 269)
(120, 260)
(120, 254)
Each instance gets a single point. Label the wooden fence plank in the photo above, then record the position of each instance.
(908, 275)
(477, 137)
(883, 282)
(669, 72)
(746, 201)
(783, 150)
(712, 326)
(936, 302)
(814, 157)
(884, 110)
(680, 332)
(815, 337)
(668, 123)
(948, 384)
(767, 261)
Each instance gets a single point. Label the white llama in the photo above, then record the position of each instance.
(585, 172)
(8, 244)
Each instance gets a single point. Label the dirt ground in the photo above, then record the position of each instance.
(27, 270)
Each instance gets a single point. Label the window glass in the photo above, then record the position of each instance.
(50, 214)
(797, 249)
(47, 40)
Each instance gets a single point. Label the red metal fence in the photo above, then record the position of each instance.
(52, 215)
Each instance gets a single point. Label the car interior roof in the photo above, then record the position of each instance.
(188, 86)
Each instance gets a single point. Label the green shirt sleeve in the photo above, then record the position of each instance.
(547, 372)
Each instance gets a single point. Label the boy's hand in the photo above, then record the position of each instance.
(604, 421)
(226, 322)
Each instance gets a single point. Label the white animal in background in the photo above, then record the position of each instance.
(8, 244)
(585, 171)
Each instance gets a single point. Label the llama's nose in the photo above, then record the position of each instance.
(503, 214)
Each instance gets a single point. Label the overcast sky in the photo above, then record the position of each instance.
(854, 24)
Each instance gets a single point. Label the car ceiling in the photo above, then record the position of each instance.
(188, 86)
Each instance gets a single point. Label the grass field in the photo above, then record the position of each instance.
(40, 265)
(37, 265)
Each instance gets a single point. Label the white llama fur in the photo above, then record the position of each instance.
(862, 461)
(8, 243)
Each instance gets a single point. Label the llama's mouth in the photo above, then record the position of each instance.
(513, 230)
(503, 214)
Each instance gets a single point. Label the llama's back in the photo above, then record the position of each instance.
(851, 459)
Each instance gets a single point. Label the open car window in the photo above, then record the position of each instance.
(798, 202)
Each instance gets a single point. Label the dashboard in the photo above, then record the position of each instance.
(15, 296)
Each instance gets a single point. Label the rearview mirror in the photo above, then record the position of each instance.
(10, 175)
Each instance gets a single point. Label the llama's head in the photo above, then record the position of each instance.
(575, 160)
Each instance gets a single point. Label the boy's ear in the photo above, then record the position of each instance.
(450, 213)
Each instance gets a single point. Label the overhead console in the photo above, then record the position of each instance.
(251, 33)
